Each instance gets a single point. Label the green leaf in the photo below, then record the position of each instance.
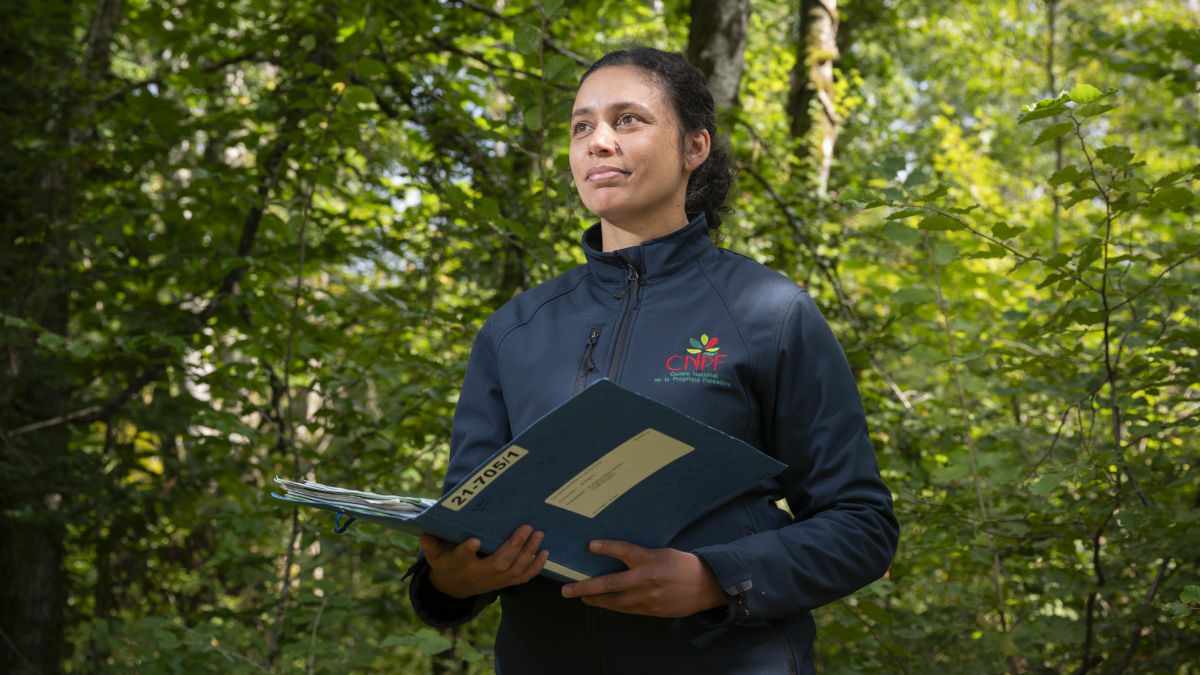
(897, 231)
(859, 198)
(937, 221)
(934, 194)
(1048, 107)
(357, 93)
(962, 210)
(1170, 178)
(528, 38)
(487, 208)
(432, 642)
(1174, 198)
(368, 67)
(1178, 610)
(876, 613)
(397, 641)
(990, 253)
(1085, 93)
(916, 179)
(1131, 185)
(891, 165)
(1054, 131)
(944, 252)
(913, 296)
(1058, 260)
(15, 321)
(1002, 230)
(51, 340)
(308, 43)
(1094, 109)
(695, 343)
(1116, 156)
(1067, 174)
(1080, 194)
(907, 212)
(1190, 595)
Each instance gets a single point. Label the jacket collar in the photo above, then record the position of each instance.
(654, 257)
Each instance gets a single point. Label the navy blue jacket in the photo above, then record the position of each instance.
(726, 341)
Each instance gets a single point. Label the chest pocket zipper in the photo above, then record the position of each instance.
(586, 364)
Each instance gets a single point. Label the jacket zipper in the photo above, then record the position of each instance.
(632, 288)
(586, 364)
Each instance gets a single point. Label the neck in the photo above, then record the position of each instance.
(618, 234)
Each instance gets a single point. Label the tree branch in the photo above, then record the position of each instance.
(230, 284)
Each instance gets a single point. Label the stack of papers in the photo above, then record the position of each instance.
(391, 506)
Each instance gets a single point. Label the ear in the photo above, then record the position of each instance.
(695, 149)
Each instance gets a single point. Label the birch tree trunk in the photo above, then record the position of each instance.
(811, 97)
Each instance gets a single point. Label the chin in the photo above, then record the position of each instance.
(611, 210)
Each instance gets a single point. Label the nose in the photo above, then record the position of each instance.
(602, 142)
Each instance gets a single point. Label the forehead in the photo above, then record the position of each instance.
(613, 85)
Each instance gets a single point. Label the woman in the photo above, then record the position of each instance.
(732, 592)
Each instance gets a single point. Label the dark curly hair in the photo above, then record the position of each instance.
(687, 90)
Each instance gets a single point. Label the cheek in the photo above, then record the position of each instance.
(575, 159)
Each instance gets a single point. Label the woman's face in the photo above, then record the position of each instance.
(625, 150)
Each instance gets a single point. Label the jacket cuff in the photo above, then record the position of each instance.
(732, 575)
(435, 607)
(734, 579)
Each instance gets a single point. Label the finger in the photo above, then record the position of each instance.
(630, 554)
(504, 556)
(535, 567)
(530, 550)
(525, 557)
(465, 552)
(609, 583)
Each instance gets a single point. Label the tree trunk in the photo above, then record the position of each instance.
(811, 98)
(37, 272)
(717, 45)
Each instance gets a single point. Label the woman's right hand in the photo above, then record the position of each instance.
(458, 571)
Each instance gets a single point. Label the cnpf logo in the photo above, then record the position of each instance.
(701, 356)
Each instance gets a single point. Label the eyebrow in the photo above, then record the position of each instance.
(616, 107)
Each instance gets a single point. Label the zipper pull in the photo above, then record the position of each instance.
(593, 337)
(586, 364)
(631, 279)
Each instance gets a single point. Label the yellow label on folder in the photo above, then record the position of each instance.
(614, 474)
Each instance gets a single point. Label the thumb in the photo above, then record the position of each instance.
(433, 547)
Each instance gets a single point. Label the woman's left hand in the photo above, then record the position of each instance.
(659, 582)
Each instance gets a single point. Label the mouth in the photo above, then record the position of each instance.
(601, 174)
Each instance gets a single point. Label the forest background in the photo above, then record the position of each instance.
(248, 238)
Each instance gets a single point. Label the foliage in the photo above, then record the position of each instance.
(258, 241)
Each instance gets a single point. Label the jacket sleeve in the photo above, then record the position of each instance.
(843, 534)
(480, 429)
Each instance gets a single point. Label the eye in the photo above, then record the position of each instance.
(578, 128)
(627, 118)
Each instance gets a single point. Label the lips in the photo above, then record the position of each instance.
(601, 174)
